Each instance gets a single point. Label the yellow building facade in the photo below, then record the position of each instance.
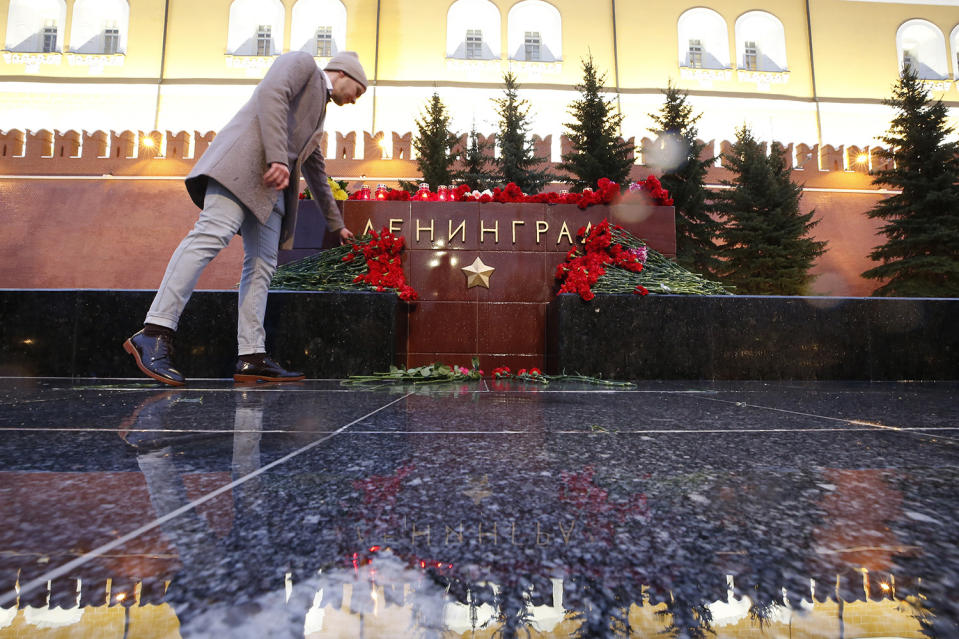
(804, 72)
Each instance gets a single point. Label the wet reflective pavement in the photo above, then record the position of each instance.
(727, 509)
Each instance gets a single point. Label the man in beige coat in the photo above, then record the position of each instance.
(247, 182)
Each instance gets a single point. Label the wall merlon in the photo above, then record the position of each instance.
(46, 152)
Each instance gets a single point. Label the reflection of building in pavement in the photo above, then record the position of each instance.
(265, 578)
(385, 595)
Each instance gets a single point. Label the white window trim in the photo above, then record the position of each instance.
(940, 45)
(713, 35)
(25, 24)
(535, 16)
(770, 41)
(464, 15)
(308, 17)
(89, 26)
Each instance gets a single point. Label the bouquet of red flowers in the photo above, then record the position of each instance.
(370, 262)
(654, 187)
(610, 259)
(607, 192)
(384, 266)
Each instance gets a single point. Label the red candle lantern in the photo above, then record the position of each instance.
(424, 192)
(442, 193)
(381, 192)
(364, 192)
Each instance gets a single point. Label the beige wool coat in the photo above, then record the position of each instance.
(282, 122)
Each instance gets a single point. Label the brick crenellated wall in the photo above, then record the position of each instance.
(105, 209)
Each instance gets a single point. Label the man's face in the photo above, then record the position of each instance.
(346, 90)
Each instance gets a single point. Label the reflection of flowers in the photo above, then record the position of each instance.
(437, 373)
(379, 499)
(593, 504)
(531, 375)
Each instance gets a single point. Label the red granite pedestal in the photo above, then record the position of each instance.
(504, 324)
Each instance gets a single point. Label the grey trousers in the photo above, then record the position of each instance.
(223, 215)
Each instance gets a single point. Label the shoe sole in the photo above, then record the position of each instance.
(252, 379)
(130, 348)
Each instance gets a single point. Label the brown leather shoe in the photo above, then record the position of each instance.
(154, 356)
(267, 370)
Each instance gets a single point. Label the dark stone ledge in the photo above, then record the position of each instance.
(754, 337)
(79, 333)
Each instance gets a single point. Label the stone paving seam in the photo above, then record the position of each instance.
(93, 554)
(914, 430)
(919, 430)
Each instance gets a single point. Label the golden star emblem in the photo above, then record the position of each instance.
(477, 274)
(478, 492)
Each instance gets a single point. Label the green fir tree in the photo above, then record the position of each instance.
(477, 164)
(598, 151)
(921, 223)
(434, 144)
(517, 161)
(766, 245)
(685, 179)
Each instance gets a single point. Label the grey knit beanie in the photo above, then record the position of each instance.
(349, 63)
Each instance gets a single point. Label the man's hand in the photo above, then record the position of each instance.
(345, 235)
(277, 176)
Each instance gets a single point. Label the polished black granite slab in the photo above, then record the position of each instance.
(754, 337)
(737, 508)
(78, 333)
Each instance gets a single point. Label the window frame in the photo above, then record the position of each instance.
(711, 29)
(534, 17)
(767, 33)
(264, 41)
(49, 30)
(326, 37)
(474, 44)
(933, 53)
(532, 46)
(751, 53)
(111, 38)
(694, 54)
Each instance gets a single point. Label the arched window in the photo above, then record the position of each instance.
(36, 26)
(473, 30)
(760, 42)
(256, 27)
(921, 45)
(703, 40)
(100, 26)
(319, 27)
(534, 32)
(954, 40)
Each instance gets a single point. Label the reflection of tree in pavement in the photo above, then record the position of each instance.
(928, 510)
